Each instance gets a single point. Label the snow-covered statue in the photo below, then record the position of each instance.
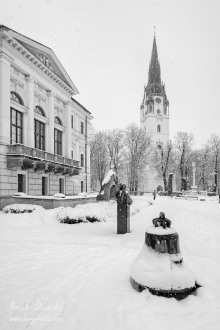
(123, 209)
(159, 267)
(109, 180)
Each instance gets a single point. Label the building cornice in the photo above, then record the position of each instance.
(35, 61)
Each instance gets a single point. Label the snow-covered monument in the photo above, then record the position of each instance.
(159, 267)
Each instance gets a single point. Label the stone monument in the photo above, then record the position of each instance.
(159, 267)
(109, 180)
(194, 188)
(123, 209)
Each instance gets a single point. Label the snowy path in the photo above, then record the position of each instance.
(78, 275)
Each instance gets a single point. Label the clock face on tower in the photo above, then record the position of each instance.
(158, 100)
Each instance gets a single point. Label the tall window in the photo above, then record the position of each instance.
(39, 135)
(71, 121)
(57, 142)
(81, 186)
(16, 127)
(158, 128)
(82, 160)
(82, 127)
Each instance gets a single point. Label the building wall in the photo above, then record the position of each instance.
(19, 75)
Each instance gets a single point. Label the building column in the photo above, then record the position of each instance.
(68, 131)
(30, 117)
(5, 99)
(50, 146)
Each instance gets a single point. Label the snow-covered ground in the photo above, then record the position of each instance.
(76, 277)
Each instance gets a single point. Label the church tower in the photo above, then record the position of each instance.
(154, 113)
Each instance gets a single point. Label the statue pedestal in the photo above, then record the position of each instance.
(123, 218)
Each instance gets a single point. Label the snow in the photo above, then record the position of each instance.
(160, 230)
(154, 270)
(55, 196)
(107, 178)
(59, 195)
(76, 277)
(81, 212)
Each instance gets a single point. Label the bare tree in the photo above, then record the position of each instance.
(183, 144)
(115, 147)
(162, 161)
(213, 146)
(99, 158)
(138, 148)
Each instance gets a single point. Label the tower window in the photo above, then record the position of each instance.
(158, 129)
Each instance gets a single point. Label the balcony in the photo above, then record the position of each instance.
(26, 157)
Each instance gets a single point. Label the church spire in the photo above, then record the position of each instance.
(154, 68)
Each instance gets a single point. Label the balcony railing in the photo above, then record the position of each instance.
(22, 150)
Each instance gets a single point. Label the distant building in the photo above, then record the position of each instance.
(43, 130)
(154, 116)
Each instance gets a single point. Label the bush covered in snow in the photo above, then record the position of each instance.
(21, 208)
(76, 215)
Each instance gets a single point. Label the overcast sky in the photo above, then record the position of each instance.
(105, 46)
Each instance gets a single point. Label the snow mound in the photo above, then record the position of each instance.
(22, 208)
(82, 194)
(59, 195)
(19, 194)
(158, 271)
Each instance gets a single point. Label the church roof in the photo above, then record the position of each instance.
(154, 68)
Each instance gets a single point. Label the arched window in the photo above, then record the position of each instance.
(16, 98)
(39, 111)
(58, 121)
(158, 128)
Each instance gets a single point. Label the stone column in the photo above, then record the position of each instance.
(30, 117)
(50, 146)
(5, 99)
(68, 130)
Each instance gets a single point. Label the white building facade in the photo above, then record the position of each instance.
(154, 118)
(43, 130)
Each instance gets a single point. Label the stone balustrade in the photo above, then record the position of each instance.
(24, 151)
